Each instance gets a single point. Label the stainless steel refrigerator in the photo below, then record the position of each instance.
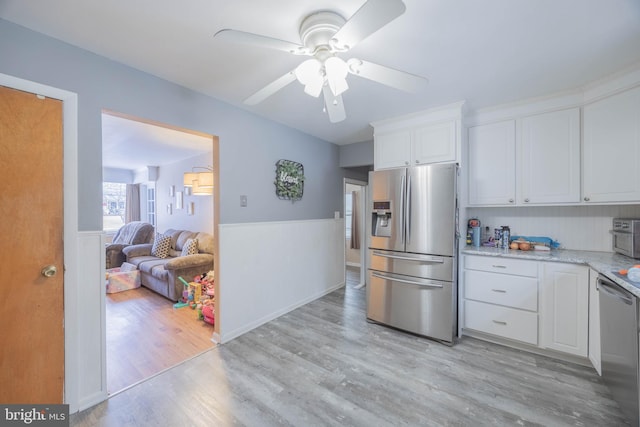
(412, 250)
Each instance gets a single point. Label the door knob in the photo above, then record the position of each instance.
(49, 271)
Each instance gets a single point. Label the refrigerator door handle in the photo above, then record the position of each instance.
(407, 258)
(408, 210)
(402, 207)
(408, 282)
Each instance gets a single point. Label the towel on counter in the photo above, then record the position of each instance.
(544, 240)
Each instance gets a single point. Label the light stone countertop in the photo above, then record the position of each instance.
(607, 263)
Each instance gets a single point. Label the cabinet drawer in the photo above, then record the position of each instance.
(502, 265)
(504, 289)
(502, 321)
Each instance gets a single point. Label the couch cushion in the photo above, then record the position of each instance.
(190, 247)
(205, 243)
(161, 246)
(154, 267)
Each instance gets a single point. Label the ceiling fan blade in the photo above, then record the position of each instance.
(372, 16)
(387, 76)
(242, 37)
(270, 89)
(333, 105)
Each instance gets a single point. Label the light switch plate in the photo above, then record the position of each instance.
(243, 201)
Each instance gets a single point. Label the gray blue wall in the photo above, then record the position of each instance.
(249, 145)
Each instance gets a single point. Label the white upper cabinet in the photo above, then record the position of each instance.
(492, 164)
(611, 161)
(548, 158)
(526, 161)
(431, 136)
(434, 143)
(392, 149)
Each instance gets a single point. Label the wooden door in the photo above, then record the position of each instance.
(31, 226)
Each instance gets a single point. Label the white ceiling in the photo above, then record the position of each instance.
(485, 52)
(133, 145)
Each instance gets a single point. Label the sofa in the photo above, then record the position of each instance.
(161, 274)
(132, 233)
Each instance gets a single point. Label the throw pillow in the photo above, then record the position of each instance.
(190, 247)
(161, 246)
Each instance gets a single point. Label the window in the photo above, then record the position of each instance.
(151, 205)
(114, 198)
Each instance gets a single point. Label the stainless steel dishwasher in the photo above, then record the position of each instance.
(619, 346)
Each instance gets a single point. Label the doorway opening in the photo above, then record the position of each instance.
(355, 194)
(148, 328)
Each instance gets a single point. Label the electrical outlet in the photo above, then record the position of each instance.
(243, 201)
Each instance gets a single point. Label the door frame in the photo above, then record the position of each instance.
(70, 205)
(363, 234)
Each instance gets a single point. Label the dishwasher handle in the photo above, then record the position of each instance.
(614, 290)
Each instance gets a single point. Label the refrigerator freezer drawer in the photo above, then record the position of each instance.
(420, 306)
(432, 266)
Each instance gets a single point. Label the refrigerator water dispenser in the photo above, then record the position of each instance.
(381, 219)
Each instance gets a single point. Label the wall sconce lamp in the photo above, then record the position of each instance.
(201, 183)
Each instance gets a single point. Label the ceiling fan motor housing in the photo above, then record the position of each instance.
(317, 30)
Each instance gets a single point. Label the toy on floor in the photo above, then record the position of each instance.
(185, 294)
(208, 314)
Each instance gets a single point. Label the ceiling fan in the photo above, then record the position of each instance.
(324, 35)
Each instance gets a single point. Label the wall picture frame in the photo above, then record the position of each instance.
(190, 208)
(172, 190)
(179, 200)
(289, 180)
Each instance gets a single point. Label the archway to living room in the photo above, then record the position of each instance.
(161, 246)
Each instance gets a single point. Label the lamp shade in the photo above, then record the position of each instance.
(205, 179)
(189, 177)
(197, 190)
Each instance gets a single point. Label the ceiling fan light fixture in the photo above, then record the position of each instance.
(336, 71)
(310, 74)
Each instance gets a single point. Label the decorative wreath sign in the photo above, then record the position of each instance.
(289, 180)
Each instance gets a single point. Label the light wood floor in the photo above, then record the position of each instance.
(146, 335)
(325, 365)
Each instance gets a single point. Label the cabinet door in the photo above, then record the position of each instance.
(392, 149)
(549, 158)
(564, 309)
(612, 148)
(434, 143)
(492, 164)
(594, 321)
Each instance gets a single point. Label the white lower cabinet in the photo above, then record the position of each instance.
(501, 297)
(564, 308)
(543, 304)
(506, 322)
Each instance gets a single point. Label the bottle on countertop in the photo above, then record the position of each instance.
(506, 234)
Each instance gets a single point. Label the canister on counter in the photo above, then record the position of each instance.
(497, 237)
(506, 234)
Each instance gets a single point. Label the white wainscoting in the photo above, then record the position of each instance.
(584, 228)
(268, 269)
(90, 367)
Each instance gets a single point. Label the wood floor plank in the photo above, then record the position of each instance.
(146, 335)
(325, 365)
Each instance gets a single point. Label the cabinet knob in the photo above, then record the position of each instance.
(417, 162)
(406, 162)
(586, 199)
(526, 200)
(510, 200)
